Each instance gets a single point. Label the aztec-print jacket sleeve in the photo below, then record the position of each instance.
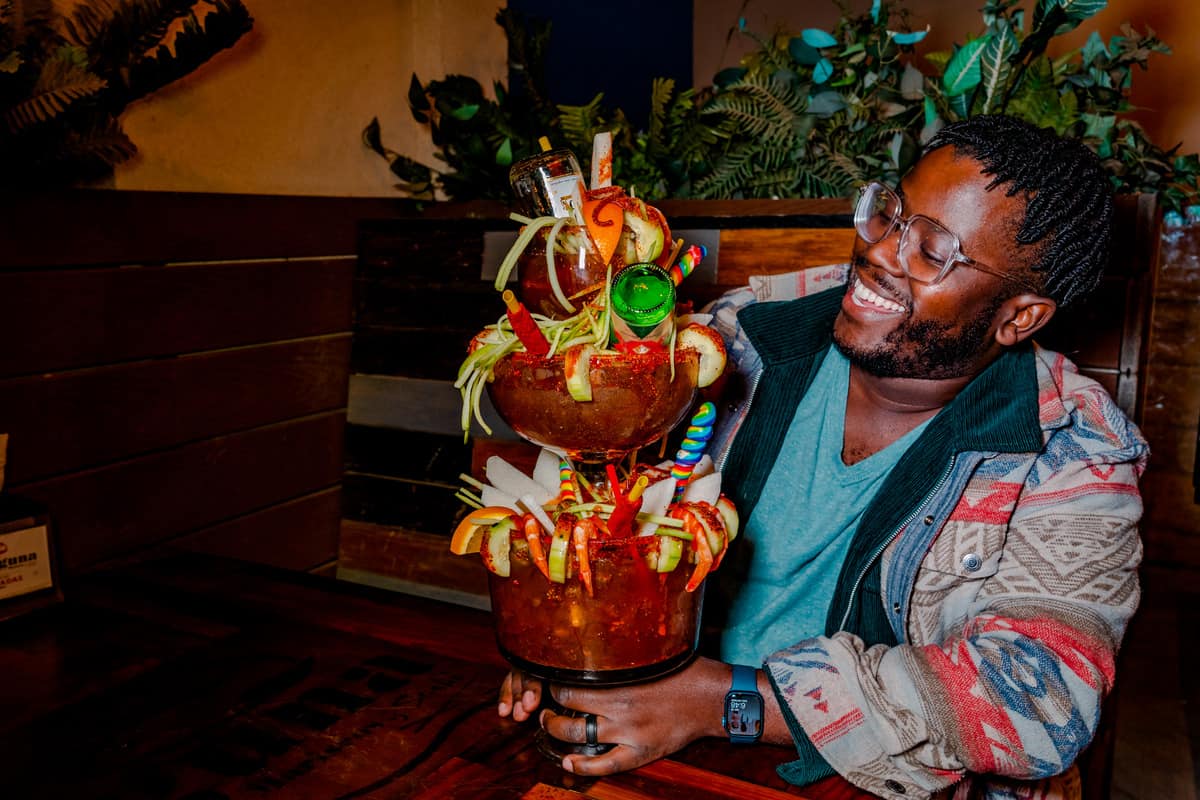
(1008, 677)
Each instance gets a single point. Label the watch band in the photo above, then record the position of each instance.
(745, 679)
(744, 705)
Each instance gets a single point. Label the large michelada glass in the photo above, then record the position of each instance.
(596, 563)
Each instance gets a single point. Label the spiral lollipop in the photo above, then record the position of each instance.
(688, 263)
(694, 441)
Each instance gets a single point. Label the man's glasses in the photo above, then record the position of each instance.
(927, 251)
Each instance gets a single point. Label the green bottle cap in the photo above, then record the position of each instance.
(643, 295)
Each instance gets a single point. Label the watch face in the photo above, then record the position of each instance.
(743, 714)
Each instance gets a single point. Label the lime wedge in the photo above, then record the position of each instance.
(496, 550)
(557, 558)
(670, 550)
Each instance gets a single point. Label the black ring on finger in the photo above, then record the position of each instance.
(590, 729)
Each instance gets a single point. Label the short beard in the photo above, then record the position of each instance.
(925, 349)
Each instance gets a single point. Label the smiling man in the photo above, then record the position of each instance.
(940, 548)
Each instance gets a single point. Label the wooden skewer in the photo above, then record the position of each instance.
(675, 252)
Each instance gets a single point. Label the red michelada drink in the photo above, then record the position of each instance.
(596, 563)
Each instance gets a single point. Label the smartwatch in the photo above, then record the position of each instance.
(743, 717)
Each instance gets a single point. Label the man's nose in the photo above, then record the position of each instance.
(886, 252)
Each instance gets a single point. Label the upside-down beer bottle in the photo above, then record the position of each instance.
(549, 184)
(643, 304)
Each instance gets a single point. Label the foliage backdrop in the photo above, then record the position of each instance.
(809, 114)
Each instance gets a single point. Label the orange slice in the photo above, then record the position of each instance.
(468, 536)
(604, 222)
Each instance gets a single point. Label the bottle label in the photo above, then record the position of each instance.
(566, 197)
(623, 331)
(24, 562)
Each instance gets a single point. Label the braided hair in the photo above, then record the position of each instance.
(1068, 196)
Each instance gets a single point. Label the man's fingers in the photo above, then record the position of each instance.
(528, 702)
(520, 695)
(621, 758)
(505, 701)
(567, 727)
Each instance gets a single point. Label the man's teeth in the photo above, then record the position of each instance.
(864, 295)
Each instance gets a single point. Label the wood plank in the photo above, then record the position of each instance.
(116, 647)
(408, 557)
(300, 534)
(108, 512)
(225, 679)
(761, 251)
(544, 791)
(72, 420)
(667, 779)
(83, 317)
(416, 505)
(82, 226)
(462, 302)
(407, 454)
(411, 352)
(729, 214)
(1091, 334)
(424, 625)
(1169, 525)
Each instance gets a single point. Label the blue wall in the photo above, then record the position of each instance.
(616, 47)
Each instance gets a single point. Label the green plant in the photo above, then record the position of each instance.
(477, 138)
(1082, 93)
(815, 114)
(659, 161)
(64, 81)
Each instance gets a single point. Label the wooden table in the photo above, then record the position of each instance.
(203, 679)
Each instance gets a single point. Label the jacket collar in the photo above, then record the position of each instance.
(996, 412)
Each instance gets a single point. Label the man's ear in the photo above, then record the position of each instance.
(1022, 316)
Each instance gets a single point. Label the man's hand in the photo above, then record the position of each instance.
(520, 695)
(645, 721)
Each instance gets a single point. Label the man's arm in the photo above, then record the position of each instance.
(651, 720)
(1015, 689)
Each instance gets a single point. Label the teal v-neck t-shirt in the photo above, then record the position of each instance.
(801, 528)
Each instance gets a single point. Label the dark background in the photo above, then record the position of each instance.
(617, 47)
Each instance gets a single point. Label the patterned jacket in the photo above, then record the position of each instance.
(1007, 582)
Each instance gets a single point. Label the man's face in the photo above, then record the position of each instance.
(892, 326)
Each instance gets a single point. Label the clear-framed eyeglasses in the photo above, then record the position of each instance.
(927, 250)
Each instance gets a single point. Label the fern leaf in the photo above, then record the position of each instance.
(28, 21)
(103, 144)
(580, 124)
(762, 107)
(660, 98)
(195, 44)
(60, 84)
(117, 33)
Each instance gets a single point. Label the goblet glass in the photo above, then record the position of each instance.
(634, 623)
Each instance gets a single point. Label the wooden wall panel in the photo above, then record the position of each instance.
(175, 369)
(760, 251)
(127, 506)
(67, 421)
(298, 534)
(72, 228)
(80, 317)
